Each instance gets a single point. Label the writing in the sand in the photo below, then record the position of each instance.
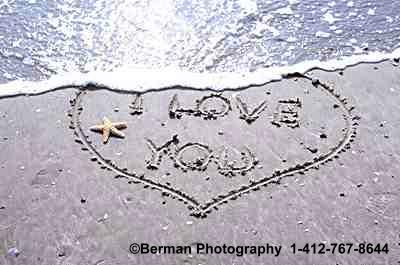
(214, 106)
(198, 156)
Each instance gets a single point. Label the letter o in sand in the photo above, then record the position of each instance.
(214, 105)
(193, 156)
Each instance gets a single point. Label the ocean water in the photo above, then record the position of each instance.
(199, 42)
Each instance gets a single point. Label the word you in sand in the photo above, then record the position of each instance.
(181, 155)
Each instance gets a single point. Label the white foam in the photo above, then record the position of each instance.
(328, 17)
(141, 80)
(248, 5)
(321, 34)
(371, 12)
(284, 11)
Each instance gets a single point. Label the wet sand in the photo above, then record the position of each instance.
(307, 159)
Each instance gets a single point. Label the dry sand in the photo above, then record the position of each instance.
(307, 159)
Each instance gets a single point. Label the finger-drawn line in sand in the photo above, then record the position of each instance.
(201, 210)
(287, 112)
(231, 168)
(245, 114)
(202, 156)
(158, 152)
(208, 107)
(199, 163)
(215, 105)
(137, 105)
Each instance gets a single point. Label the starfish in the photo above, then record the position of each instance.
(110, 128)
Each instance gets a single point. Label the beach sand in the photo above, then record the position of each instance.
(308, 159)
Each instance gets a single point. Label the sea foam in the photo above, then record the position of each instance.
(141, 80)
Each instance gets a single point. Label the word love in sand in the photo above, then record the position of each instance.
(214, 106)
(197, 156)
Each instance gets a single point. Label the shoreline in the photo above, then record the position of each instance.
(144, 80)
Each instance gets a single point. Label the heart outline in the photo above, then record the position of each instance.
(198, 209)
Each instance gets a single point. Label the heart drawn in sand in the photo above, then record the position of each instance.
(205, 148)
